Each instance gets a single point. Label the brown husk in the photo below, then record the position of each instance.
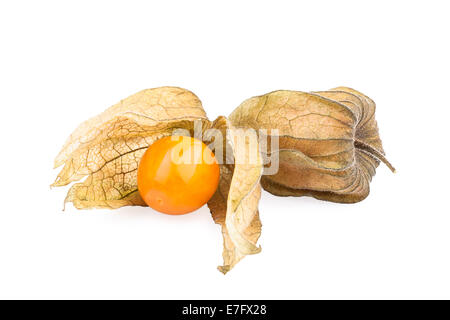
(105, 151)
(329, 146)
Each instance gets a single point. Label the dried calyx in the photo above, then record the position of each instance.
(328, 148)
(105, 152)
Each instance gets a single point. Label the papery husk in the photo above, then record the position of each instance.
(107, 148)
(105, 151)
(234, 206)
(329, 146)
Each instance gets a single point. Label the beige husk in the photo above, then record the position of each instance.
(105, 151)
(329, 148)
(329, 145)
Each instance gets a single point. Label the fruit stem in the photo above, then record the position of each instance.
(373, 152)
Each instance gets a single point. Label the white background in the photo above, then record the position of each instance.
(63, 62)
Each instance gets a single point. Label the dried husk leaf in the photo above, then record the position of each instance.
(329, 146)
(234, 206)
(106, 151)
(108, 147)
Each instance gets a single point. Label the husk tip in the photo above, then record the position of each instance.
(224, 269)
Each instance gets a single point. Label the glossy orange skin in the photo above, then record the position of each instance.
(175, 177)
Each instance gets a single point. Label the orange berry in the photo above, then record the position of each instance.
(177, 175)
